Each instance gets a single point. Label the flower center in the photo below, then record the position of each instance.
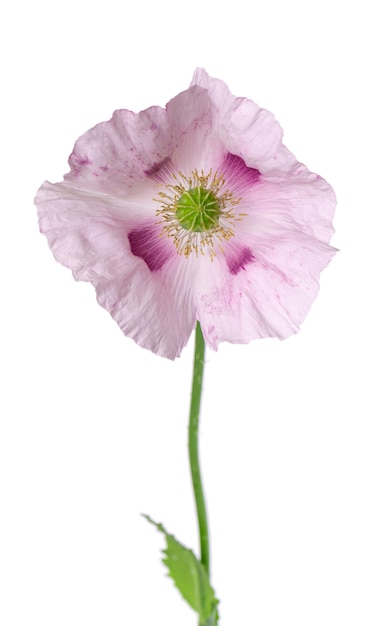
(198, 210)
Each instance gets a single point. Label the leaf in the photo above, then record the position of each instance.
(190, 577)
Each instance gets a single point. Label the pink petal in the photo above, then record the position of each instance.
(270, 294)
(247, 130)
(194, 140)
(155, 309)
(301, 202)
(114, 156)
(149, 297)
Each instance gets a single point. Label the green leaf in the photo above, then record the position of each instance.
(190, 578)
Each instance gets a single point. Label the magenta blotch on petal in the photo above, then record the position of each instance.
(238, 176)
(196, 211)
(147, 244)
(238, 259)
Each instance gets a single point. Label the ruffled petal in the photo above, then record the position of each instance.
(195, 144)
(156, 309)
(116, 155)
(246, 130)
(269, 294)
(100, 239)
(302, 202)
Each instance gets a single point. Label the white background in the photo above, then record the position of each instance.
(93, 428)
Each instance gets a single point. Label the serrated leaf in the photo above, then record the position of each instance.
(190, 577)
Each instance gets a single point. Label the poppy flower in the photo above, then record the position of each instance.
(195, 211)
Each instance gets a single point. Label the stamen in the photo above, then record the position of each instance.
(198, 213)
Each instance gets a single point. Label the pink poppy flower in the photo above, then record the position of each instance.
(196, 211)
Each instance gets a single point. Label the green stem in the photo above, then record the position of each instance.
(196, 394)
